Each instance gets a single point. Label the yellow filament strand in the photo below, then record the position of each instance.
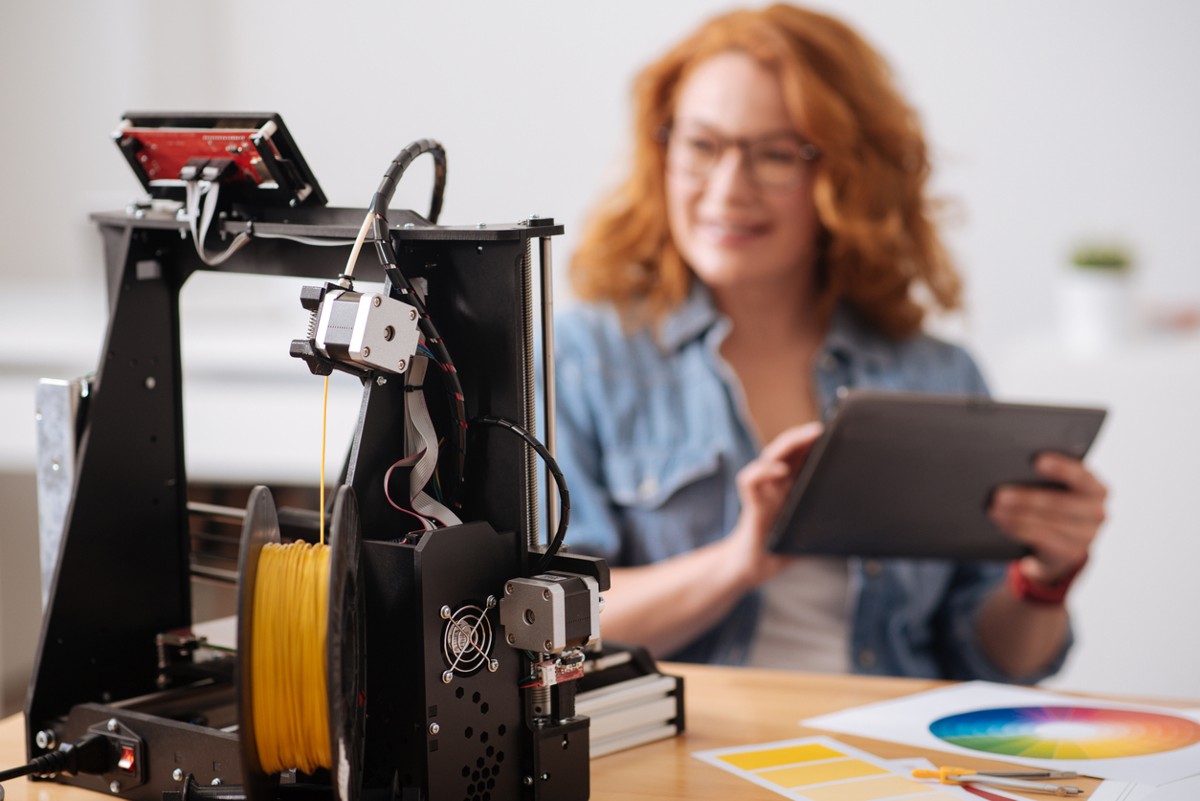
(290, 696)
(324, 419)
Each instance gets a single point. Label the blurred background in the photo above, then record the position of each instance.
(1055, 127)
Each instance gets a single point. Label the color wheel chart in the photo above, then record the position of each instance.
(1027, 726)
(1067, 732)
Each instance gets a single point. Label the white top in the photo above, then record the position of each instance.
(805, 618)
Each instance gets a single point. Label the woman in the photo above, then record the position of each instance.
(764, 251)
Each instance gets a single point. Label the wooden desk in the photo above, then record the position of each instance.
(725, 707)
(728, 707)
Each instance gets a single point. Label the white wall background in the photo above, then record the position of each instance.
(1050, 121)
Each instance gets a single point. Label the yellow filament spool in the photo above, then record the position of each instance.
(290, 688)
(300, 671)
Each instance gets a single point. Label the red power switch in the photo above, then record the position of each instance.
(127, 759)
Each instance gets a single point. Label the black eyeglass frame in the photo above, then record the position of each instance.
(809, 152)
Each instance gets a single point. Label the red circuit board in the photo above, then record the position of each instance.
(163, 152)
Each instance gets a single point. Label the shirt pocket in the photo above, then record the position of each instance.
(648, 479)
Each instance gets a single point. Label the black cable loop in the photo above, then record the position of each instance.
(391, 177)
(564, 497)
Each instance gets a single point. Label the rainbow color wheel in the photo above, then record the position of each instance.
(1067, 732)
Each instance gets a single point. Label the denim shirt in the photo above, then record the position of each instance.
(652, 428)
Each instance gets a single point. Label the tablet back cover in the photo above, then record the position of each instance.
(910, 475)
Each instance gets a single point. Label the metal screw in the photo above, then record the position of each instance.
(481, 225)
(114, 787)
(508, 588)
(400, 365)
(549, 646)
(412, 315)
(491, 601)
(447, 677)
(380, 380)
(177, 775)
(545, 777)
(527, 781)
(45, 739)
(493, 665)
(366, 352)
(445, 613)
(113, 724)
(409, 225)
(376, 301)
(546, 594)
(434, 728)
(511, 639)
(216, 782)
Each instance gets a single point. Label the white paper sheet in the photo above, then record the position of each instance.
(1182, 790)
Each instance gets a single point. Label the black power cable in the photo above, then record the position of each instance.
(560, 481)
(91, 753)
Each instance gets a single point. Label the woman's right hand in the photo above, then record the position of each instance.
(763, 486)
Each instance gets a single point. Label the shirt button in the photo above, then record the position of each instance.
(866, 657)
(648, 487)
(872, 567)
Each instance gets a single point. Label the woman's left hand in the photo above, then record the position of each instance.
(1059, 525)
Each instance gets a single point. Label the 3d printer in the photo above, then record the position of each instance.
(429, 645)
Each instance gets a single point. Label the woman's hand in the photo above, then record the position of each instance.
(1058, 524)
(763, 486)
(667, 604)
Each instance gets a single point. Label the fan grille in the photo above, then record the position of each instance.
(467, 640)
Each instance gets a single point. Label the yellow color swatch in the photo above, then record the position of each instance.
(838, 770)
(774, 757)
(866, 790)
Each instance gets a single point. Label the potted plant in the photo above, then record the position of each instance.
(1113, 258)
(1096, 298)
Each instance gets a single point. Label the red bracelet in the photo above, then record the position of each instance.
(1026, 589)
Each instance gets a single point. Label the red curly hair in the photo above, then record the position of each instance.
(879, 243)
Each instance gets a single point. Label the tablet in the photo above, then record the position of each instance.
(911, 475)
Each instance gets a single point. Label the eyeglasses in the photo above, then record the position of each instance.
(779, 161)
